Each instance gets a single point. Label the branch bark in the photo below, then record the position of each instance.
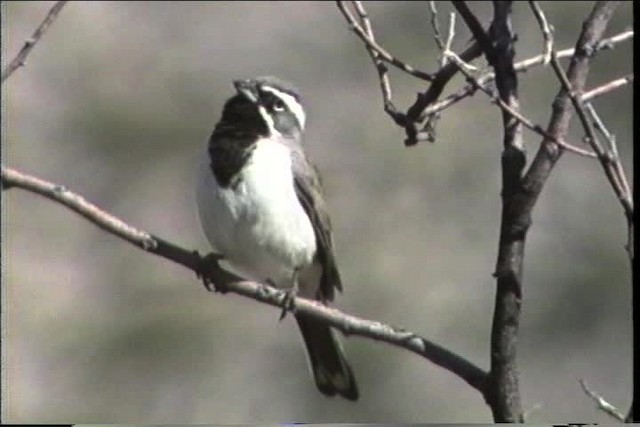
(31, 42)
(348, 324)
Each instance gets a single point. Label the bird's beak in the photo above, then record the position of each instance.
(247, 88)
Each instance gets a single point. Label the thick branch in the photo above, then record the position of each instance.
(505, 397)
(348, 324)
(30, 43)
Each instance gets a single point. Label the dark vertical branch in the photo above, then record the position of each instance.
(504, 396)
(521, 193)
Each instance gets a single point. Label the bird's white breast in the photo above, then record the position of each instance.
(258, 225)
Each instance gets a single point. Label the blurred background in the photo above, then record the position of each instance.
(116, 103)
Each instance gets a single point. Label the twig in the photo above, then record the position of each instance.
(606, 88)
(479, 34)
(372, 44)
(381, 68)
(619, 173)
(416, 113)
(448, 53)
(518, 116)
(602, 404)
(348, 324)
(436, 29)
(614, 174)
(521, 66)
(547, 31)
(29, 44)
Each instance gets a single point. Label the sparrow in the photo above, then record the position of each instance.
(262, 209)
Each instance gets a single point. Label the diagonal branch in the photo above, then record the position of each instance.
(515, 114)
(348, 324)
(602, 404)
(367, 37)
(606, 88)
(30, 43)
(521, 66)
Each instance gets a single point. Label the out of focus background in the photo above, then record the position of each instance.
(116, 103)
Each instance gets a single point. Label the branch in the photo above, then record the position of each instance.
(476, 84)
(348, 324)
(547, 31)
(521, 66)
(30, 43)
(506, 402)
(436, 30)
(550, 152)
(608, 159)
(602, 404)
(417, 112)
(369, 41)
(606, 88)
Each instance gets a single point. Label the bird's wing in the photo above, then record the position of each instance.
(309, 191)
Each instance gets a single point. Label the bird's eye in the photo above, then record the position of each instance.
(278, 105)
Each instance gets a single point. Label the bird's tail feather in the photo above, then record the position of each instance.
(331, 370)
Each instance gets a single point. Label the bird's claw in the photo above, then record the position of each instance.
(288, 303)
(206, 266)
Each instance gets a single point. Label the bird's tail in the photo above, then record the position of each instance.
(331, 370)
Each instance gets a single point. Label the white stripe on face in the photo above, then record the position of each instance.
(268, 120)
(290, 101)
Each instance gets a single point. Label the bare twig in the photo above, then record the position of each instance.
(448, 53)
(517, 115)
(479, 34)
(618, 173)
(606, 88)
(370, 42)
(610, 163)
(550, 152)
(602, 404)
(521, 66)
(416, 113)
(547, 31)
(348, 324)
(436, 28)
(29, 44)
(381, 68)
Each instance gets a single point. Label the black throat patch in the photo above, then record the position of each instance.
(229, 150)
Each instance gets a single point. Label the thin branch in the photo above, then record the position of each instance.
(348, 324)
(606, 88)
(602, 404)
(436, 28)
(29, 44)
(370, 42)
(550, 152)
(517, 115)
(416, 113)
(619, 175)
(448, 53)
(521, 66)
(381, 68)
(479, 34)
(547, 31)
(614, 174)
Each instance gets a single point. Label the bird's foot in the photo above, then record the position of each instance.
(288, 303)
(207, 266)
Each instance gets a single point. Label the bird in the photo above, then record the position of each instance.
(262, 209)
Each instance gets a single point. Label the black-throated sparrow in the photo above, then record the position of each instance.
(261, 207)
